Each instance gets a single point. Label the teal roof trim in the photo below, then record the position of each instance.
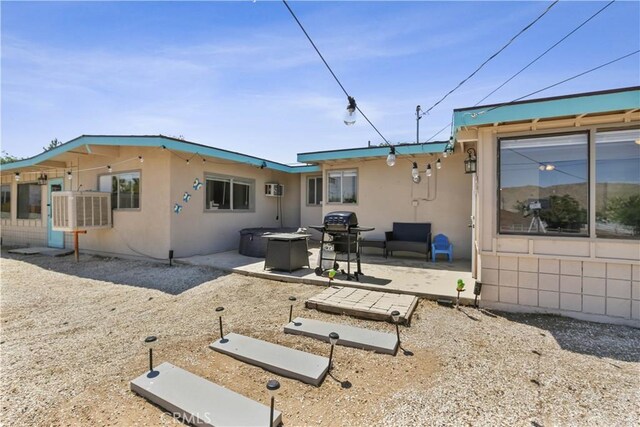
(358, 153)
(157, 141)
(602, 102)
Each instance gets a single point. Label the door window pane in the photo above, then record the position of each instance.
(544, 185)
(618, 184)
(5, 200)
(29, 201)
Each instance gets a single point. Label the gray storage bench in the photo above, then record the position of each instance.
(409, 237)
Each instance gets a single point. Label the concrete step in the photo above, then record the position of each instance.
(285, 361)
(350, 336)
(198, 401)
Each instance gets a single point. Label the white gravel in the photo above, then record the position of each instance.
(70, 341)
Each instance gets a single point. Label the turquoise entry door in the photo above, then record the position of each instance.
(55, 238)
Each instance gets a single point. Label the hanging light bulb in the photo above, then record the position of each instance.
(187, 161)
(414, 170)
(445, 154)
(109, 168)
(141, 159)
(350, 114)
(69, 175)
(17, 176)
(428, 169)
(438, 164)
(391, 158)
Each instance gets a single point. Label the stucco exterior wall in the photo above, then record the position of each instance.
(197, 231)
(136, 232)
(388, 194)
(584, 277)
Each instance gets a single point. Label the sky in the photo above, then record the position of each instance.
(240, 75)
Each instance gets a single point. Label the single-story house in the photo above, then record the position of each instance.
(549, 218)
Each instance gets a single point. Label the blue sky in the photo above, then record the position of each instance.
(242, 76)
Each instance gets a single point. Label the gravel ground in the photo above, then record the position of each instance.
(71, 340)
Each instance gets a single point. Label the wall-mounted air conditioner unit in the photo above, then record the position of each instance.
(80, 210)
(271, 189)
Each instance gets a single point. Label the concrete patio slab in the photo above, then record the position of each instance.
(350, 336)
(288, 362)
(198, 401)
(411, 276)
(372, 305)
(54, 252)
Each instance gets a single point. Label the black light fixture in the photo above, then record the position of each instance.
(333, 339)
(292, 299)
(263, 165)
(470, 162)
(220, 310)
(391, 158)
(170, 257)
(350, 114)
(272, 386)
(151, 341)
(17, 176)
(395, 316)
(42, 179)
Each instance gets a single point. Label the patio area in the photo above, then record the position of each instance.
(405, 275)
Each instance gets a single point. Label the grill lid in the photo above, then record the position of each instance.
(342, 219)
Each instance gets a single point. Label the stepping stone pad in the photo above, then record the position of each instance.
(288, 362)
(350, 336)
(199, 401)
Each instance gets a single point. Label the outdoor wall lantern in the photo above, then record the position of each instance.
(220, 310)
(470, 162)
(272, 386)
(151, 342)
(42, 179)
(395, 316)
(350, 114)
(333, 339)
(17, 176)
(391, 158)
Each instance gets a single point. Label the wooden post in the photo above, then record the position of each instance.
(75, 242)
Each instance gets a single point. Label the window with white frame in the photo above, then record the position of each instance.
(124, 188)
(5, 201)
(229, 193)
(29, 201)
(618, 184)
(314, 191)
(343, 186)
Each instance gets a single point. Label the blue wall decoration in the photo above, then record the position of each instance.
(177, 208)
(197, 184)
(186, 197)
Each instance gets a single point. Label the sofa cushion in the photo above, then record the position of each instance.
(412, 231)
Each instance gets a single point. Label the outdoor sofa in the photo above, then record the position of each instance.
(409, 237)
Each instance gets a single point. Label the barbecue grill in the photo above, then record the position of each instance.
(340, 237)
